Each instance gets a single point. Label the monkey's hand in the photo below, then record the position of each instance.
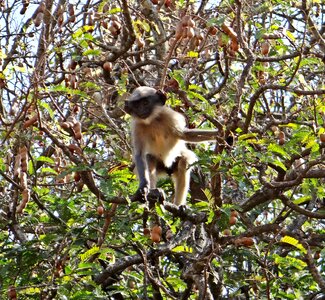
(141, 194)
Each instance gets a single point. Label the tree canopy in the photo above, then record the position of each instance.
(254, 223)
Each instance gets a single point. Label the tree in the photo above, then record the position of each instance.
(254, 223)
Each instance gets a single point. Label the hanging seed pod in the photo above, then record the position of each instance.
(30, 121)
(23, 180)
(77, 131)
(179, 31)
(187, 21)
(72, 16)
(38, 19)
(17, 164)
(265, 48)
(212, 30)
(229, 31)
(108, 66)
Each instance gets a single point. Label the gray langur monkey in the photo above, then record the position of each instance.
(159, 136)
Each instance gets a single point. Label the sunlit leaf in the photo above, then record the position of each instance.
(293, 242)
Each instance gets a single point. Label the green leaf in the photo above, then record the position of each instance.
(45, 159)
(278, 150)
(182, 249)
(192, 54)
(293, 242)
(94, 52)
(89, 253)
(49, 170)
(302, 199)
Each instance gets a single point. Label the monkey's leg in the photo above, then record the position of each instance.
(152, 166)
(181, 178)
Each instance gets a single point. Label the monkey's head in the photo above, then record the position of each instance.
(143, 101)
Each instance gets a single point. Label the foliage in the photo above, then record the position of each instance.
(254, 223)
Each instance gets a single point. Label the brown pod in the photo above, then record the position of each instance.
(100, 210)
(38, 19)
(72, 15)
(229, 31)
(74, 148)
(322, 137)
(156, 229)
(187, 21)
(212, 30)
(232, 220)
(17, 164)
(146, 231)
(234, 46)
(77, 131)
(23, 180)
(281, 137)
(155, 237)
(108, 66)
(25, 195)
(30, 121)
(179, 31)
(76, 176)
(265, 48)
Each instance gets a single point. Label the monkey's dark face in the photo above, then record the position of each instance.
(141, 108)
(143, 101)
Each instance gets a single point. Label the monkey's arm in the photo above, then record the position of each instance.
(142, 170)
(198, 135)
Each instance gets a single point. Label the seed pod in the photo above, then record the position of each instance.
(17, 164)
(234, 213)
(25, 195)
(38, 19)
(190, 32)
(116, 25)
(100, 210)
(156, 229)
(30, 121)
(115, 18)
(322, 137)
(74, 148)
(25, 3)
(77, 131)
(234, 46)
(187, 21)
(265, 48)
(73, 64)
(108, 66)
(212, 30)
(281, 138)
(113, 30)
(155, 237)
(23, 10)
(229, 31)
(41, 8)
(232, 220)
(91, 18)
(72, 15)
(244, 241)
(146, 231)
(76, 176)
(178, 31)
(140, 42)
(23, 180)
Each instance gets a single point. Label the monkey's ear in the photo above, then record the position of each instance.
(162, 96)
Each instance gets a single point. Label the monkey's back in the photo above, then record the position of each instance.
(159, 135)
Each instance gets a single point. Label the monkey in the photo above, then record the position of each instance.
(159, 136)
